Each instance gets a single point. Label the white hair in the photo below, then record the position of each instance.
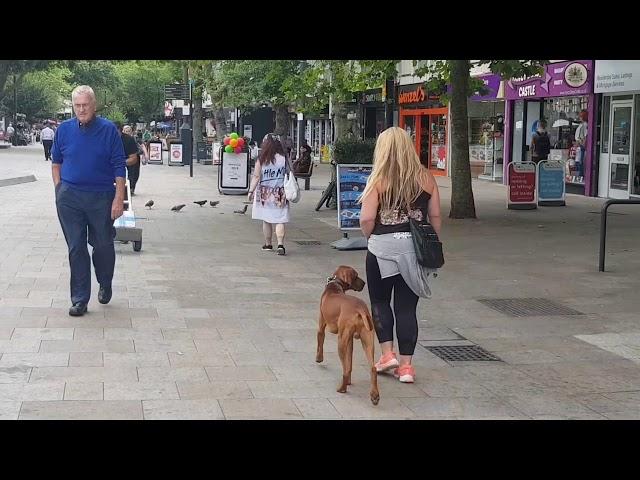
(83, 90)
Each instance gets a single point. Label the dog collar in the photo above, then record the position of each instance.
(335, 279)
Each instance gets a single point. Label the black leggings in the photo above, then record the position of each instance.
(404, 307)
(134, 175)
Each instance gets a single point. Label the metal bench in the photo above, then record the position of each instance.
(307, 177)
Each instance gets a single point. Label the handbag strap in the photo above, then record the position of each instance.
(288, 168)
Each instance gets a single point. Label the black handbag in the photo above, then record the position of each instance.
(427, 244)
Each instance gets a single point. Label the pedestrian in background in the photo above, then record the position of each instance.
(87, 159)
(47, 136)
(269, 202)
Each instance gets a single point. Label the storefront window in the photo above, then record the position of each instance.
(410, 126)
(563, 119)
(486, 129)
(562, 115)
(518, 125)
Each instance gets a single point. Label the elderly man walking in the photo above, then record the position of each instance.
(87, 158)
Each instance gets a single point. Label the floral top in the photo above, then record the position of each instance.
(392, 221)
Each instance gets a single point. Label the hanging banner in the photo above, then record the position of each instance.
(522, 186)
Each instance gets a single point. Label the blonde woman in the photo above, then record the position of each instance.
(399, 188)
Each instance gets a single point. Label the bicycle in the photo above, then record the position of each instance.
(327, 195)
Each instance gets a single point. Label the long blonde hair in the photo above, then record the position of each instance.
(397, 169)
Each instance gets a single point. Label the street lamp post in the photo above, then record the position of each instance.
(15, 100)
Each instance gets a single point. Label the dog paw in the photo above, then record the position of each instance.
(319, 358)
(375, 398)
(342, 389)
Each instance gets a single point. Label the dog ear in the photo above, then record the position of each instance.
(344, 274)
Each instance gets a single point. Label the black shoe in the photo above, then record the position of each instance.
(281, 250)
(78, 309)
(104, 295)
(267, 248)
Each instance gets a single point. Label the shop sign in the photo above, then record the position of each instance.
(522, 185)
(416, 95)
(561, 79)
(492, 84)
(175, 154)
(352, 179)
(372, 96)
(155, 152)
(617, 76)
(235, 171)
(551, 186)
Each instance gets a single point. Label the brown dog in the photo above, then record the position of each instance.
(349, 317)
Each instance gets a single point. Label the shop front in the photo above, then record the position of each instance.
(373, 108)
(486, 129)
(424, 117)
(618, 83)
(563, 97)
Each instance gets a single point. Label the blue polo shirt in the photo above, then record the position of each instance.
(92, 155)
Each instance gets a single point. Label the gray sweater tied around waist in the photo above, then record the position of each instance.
(396, 255)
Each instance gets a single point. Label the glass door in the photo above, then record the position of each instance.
(621, 130)
(439, 143)
(428, 130)
(424, 149)
(635, 171)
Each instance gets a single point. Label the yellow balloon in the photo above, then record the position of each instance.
(233, 142)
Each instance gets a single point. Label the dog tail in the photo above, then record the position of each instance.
(368, 321)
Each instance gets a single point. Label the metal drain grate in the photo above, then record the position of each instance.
(528, 307)
(463, 353)
(308, 242)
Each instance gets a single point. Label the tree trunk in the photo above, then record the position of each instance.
(282, 120)
(341, 123)
(197, 116)
(221, 124)
(462, 204)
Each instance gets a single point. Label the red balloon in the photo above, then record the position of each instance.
(238, 150)
(226, 140)
(240, 141)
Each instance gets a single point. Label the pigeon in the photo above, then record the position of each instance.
(214, 204)
(201, 202)
(243, 211)
(149, 204)
(177, 208)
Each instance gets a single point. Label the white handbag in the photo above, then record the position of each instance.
(291, 187)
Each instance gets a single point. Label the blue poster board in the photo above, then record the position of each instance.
(551, 183)
(352, 179)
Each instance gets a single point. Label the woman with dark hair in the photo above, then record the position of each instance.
(303, 164)
(270, 204)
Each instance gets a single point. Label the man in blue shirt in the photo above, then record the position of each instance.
(87, 158)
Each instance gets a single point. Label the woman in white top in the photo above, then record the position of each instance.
(270, 204)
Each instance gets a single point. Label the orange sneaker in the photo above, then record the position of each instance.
(387, 362)
(405, 373)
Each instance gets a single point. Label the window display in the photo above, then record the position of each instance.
(486, 139)
(566, 117)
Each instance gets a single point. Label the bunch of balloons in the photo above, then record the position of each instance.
(233, 143)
